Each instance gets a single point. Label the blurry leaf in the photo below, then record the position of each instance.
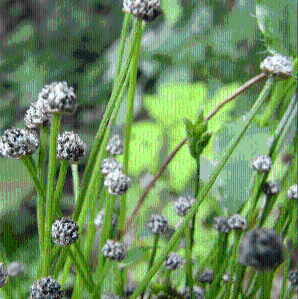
(23, 34)
(223, 42)
(172, 11)
(174, 75)
(136, 254)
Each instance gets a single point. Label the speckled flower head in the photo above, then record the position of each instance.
(98, 221)
(70, 147)
(147, 10)
(262, 163)
(15, 143)
(3, 275)
(227, 276)
(117, 182)
(58, 98)
(173, 261)
(15, 269)
(110, 296)
(221, 224)
(206, 276)
(292, 192)
(199, 293)
(237, 222)
(110, 164)
(113, 250)
(271, 188)
(129, 289)
(36, 117)
(46, 288)
(293, 277)
(157, 224)
(115, 145)
(278, 65)
(65, 231)
(183, 204)
(261, 248)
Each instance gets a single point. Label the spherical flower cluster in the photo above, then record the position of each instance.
(157, 224)
(278, 65)
(57, 98)
(113, 250)
(70, 147)
(36, 117)
(15, 143)
(227, 276)
(110, 164)
(115, 145)
(15, 269)
(199, 293)
(173, 261)
(183, 204)
(271, 188)
(293, 277)
(98, 221)
(261, 248)
(237, 222)
(117, 182)
(147, 10)
(65, 231)
(292, 192)
(221, 224)
(3, 275)
(206, 276)
(262, 163)
(46, 288)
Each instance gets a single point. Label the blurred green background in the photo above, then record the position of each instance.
(192, 57)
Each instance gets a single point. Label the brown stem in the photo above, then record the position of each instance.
(240, 90)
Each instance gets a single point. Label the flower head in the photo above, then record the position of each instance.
(183, 204)
(15, 269)
(262, 163)
(199, 293)
(46, 288)
(206, 276)
(117, 182)
(173, 261)
(15, 143)
(237, 222)
(157, 224)
(3, 275)
(292, 192)
(98, 221)
(36, 117)
(221, 224)
(293, 277)
(113, 250)
(115, 145)
(110, 164)
(58, 98)
(271, 188)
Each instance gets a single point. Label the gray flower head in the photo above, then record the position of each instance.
(110, 296)
(65, 231)
(237, 222)
(15, 269)
(262, 163)
(183, 204)
(147, 10)
(199, 293)
(206, 276)
(293, 277)
(278, 65)
(98, 221)
(3, 275)
(227, 276)
(110, 164)
(117, 182)
(115, 145)
(261, 248)
(271, 188)
(58, 98)
(36, 117)
(70, 147)
(173, 261)
(157, 224)
(46, 288)
(129, 289)
(221, 224)
(113, 250)
(15, 143)
(292, 192)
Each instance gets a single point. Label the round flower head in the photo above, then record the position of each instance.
(115, 145)
(98, 221)
(129, 289)
(117, 182)
(262, 163)
(199, 293)
(36, 117)
(110, 296)
(278, 65)
(226, 277)
(3, 275)
(65, 231)
(293, 277)
(173, 261)
(292, 192)
(15, 143)
(206, 276)
(113, 250)
(110, 164)
(221, 224)
(58, 98)
(271, 188)
(183, 204)
(15, 269)
(261, 248)
(147, 10)
(157, 224)
(70, 147)
(237, 222)
(46, 288)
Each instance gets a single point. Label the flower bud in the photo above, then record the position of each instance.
(237, 222)
(221, 224)
(3, 275)
(292, 192)
(113, 250)
(115, 145)
(36, 117)
(157, 224)
(117, 182)
(262, 163)
(173, 261)
(199, 293)
(271, 188)
(206, 276)
(15, 269)
(183, 204)
(110, 164)
(46, 288)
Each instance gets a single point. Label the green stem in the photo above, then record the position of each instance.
(42, 153)
(266, 286)
(76, 182)
(55, 125)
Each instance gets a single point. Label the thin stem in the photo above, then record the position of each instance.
(76, 182)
